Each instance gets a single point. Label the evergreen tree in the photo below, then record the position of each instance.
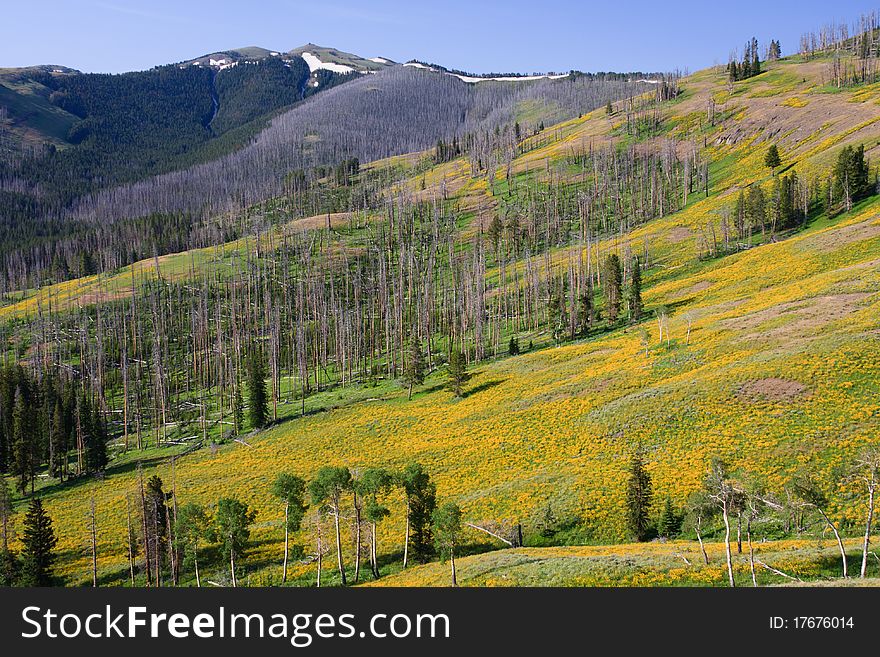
(638, 497)
(745, 70)
(95, 439)
(23, 441)
(787, 197)
(756, 208)
(38, 545)
(87, 266)
(756, 62)
(421, 496)
(6, 514)
(772, 159)
(513, 346)
(494, 232)
(851, 177)
(670, 521)
(635, 293)
(414, 372)
(59, 434)
(258, 397)
(156, 520)
(586, 311)
(8, 561)
(457, 372)
(9, 567)
(612, 287)
(556, 311)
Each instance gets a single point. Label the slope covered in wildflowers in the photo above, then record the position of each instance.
(770, 359)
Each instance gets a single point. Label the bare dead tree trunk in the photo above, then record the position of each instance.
(130, 539)
(751, 553)
(172, 553)
(739, 526)
(232, 566)
(833, 529)
(339, 562)
(872, 484)
(702, 546)
(727, 552)
(373, 556)
(357, 538)
(320, 546)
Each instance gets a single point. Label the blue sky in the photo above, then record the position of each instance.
(522, 36)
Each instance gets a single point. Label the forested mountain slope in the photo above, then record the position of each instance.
(96, 193)
(756, 339)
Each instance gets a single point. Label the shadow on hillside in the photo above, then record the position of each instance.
(486, 385)
(74, 483)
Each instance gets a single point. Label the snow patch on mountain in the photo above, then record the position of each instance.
(316, 64)
(474, 79)
(509, 78)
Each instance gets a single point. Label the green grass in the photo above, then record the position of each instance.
(677, 563)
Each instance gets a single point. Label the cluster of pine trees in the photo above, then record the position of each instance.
(789, 200)
(749, 66)
(850, 179)
(48, 421)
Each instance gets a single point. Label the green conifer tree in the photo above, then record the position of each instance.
(414, 372)
(258, 397)
(772, 159)
(612, 287)
(635, 293)
(670, 521)
(38, 545)
(456, 369)
(638, 497)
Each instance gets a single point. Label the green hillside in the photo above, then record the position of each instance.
(29, 115)
(759, 347)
